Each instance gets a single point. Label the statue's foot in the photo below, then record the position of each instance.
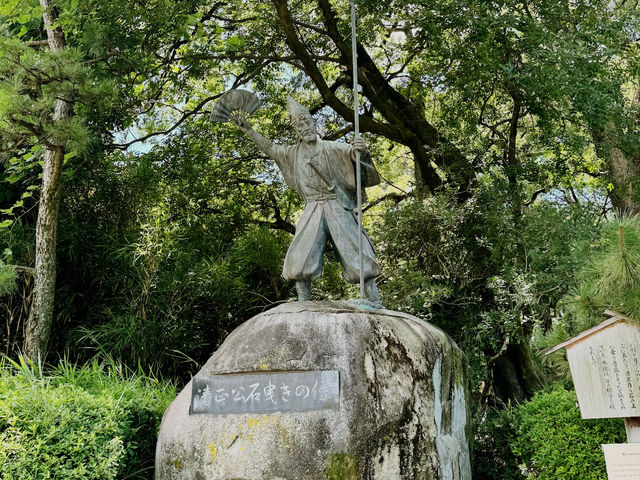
(377, 305)
(304, 290)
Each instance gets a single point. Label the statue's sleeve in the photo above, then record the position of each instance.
(368, 172)
(284, 158)
(347, 154)
(278, 153)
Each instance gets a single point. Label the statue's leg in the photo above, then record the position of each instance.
(303, 288)
(344, 232)
(371, 290)
(304, 259)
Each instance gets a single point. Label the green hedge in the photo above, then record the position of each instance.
(554, 442)
(91, 422)
(544, 438)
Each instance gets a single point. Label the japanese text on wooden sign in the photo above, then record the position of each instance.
(606, 372)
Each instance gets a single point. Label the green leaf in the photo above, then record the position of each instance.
(15, 177)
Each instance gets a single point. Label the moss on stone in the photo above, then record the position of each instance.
(460, 374)
(341, 466)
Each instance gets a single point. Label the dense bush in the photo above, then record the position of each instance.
(92, 422)
(485, 281)
(494, 458)
(554, 442)
(545, 439)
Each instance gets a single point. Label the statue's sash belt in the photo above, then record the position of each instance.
(321, 197)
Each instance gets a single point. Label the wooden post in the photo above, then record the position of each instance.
(632, 425)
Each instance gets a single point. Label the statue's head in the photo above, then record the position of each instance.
(302, 121)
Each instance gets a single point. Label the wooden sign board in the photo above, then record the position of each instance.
(605, 367)
(623, 461)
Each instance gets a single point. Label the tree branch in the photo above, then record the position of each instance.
(534, 196)
(407, 117)
(30, 270)
(298, 48)
(187, 114)
(395, 196)
(240, 80)
(37, 43)
(339, 133)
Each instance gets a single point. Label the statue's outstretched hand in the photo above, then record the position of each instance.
(240, 121)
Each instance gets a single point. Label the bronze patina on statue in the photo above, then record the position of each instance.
(324, 173)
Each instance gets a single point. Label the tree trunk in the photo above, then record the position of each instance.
(38, 326)
(511, 162)
(623, 167)
(515, 375)
(624, 172)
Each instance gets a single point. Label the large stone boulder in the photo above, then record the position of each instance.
(401, 410)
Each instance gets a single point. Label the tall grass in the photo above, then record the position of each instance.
(97, 421)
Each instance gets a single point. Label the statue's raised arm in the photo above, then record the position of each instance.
(245, 127)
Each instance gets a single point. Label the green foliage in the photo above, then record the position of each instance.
(8, 279)
(259, 255)
(16, 248)
(92, 422)
(607, 277)
(331, 285)
(615, 263)
(553, 442)
(168, 245)
(544, 438)
(154, 270)
(565, 64)
(474, 273)
(493, 455)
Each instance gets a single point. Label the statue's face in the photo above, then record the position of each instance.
(305, 127)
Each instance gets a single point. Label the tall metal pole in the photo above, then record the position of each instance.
(356, 128)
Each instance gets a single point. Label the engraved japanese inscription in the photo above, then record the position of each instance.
(266, 392)
(605, 368)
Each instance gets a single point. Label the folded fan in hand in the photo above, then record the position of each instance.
(233, 101)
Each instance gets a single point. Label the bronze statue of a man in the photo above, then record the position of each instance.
(323, 172)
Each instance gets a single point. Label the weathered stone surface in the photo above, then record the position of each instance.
(402, 415)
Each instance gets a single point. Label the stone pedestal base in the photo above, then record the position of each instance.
(401, 411)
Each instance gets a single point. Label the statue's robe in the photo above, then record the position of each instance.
(329, 212)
